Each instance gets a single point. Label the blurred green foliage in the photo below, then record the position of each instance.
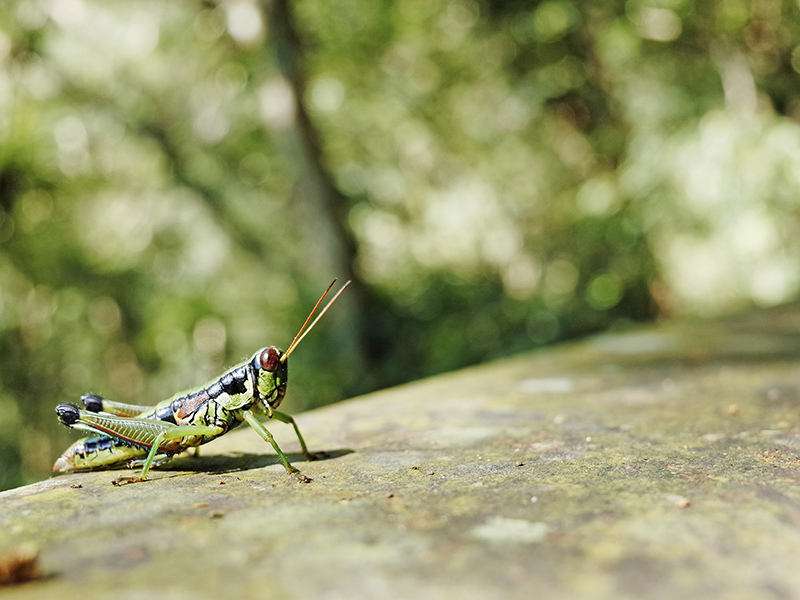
(180, 180)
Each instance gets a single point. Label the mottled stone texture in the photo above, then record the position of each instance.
(659, 463)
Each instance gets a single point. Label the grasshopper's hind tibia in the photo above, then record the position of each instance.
(151, 435)
(96, 404)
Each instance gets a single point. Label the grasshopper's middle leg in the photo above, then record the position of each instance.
(169, 432)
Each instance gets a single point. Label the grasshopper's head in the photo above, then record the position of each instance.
(271, 371)
(269, 366)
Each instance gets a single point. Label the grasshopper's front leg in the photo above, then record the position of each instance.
(267, 436)
(156, 436)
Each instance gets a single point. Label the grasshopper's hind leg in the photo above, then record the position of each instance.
(150, 434)
(96, 404)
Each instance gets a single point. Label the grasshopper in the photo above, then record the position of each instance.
(125, 433)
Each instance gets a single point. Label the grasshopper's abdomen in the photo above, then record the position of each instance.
(96, 452)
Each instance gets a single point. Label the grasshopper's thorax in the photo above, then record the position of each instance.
(270, 374)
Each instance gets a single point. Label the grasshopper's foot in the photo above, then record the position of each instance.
(299, 476)
(126, 480)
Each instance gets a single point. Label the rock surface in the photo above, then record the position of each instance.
(659, 463)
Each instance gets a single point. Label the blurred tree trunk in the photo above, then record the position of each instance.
(320, 206)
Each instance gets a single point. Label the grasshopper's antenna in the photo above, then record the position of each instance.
(303, 331)
(311, 314)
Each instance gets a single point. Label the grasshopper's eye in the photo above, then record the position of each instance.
(269, 359)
